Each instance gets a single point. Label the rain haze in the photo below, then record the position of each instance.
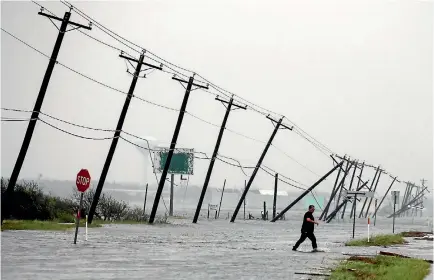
(356, 76)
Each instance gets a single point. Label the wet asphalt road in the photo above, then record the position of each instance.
(207, 250)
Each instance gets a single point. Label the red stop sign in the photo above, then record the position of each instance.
(83, 180)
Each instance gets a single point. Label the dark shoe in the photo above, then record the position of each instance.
(315, 250)
(294, 249)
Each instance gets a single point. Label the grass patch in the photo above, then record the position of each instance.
(381, 268)
(41, 225)
(378, 240)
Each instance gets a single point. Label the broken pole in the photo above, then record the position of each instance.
(382, 199)
(252, 177)
(353, 210)
(339, 188)
(375, 188)
(372, 184)
(307, 191)
(324, 212)
(351, 184)
(349, 166)
(333, 214)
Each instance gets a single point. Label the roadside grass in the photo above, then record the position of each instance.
(378, 240)
(381, 268)
(41, 225)
(65, 224)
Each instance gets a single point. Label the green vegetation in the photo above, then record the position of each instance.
(40, 225)
(381, 268)
(378, 240)
(34, 209)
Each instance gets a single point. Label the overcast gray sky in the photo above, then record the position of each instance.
(356, 75)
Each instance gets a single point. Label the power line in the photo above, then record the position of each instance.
(123, 138)
(315, 142)
(172, 109)
(216, 87)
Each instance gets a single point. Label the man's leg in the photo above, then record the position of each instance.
(312, 238)
(301, 240)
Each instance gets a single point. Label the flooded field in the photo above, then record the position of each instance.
(214, 249)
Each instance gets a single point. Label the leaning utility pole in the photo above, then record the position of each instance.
(375, 189)
(382, 199)
(190, 83)
(349, 189)
(351, 163)
(7, 197)
(370, 189)
(221, 198)
(326, 209)
(345, 200)
(118, 130)
(214, 154)
(243, 196)
(353, 209)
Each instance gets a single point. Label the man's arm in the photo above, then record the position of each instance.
(311, 221)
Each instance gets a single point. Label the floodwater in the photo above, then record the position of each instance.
(211, 249)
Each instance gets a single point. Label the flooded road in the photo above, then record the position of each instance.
(214, 249)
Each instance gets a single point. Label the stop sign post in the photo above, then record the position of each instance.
(82, 183)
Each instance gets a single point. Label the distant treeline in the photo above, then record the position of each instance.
(31, 203)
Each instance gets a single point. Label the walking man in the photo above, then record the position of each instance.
(307, 229)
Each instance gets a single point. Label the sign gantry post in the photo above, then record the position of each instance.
(395, 196)
(356, 194)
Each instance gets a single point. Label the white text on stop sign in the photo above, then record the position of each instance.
(82, 180)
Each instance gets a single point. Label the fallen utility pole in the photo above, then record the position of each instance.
(353, 209)
(333, 214)
(306, 192)
(343, 180)
(214, 155)
(349, 189)
(339, 188)
(190, 84)
(118, 130)
(382, 199)
(372, 184)
(349, 165)
(252, 177)
(375, 189)
(324, 212)
(7, 196)
(405, 207)
(404, 198)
